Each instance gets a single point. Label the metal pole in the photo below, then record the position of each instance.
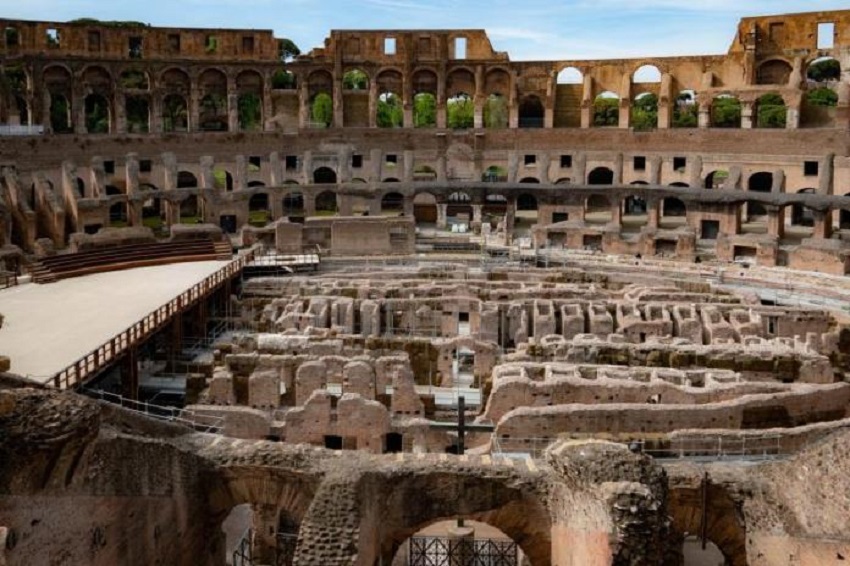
(461, 432)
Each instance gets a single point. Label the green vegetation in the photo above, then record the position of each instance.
(174, 114)
(686, 112)
(109, 23)
(283, 80)
(822, 96)
(645, 113)
(390, 111)
(97, 115)
(287, 50)
(496, 112)
(259, 218)
(250, 112)
(322, 111)
(134, 79)
(772, 112)
(220, 179)
(355, 80)
(606, 111)
(461, 111)
(824, 70)
(60, 117)
(726, 112)
(424, 110)
(138, 114)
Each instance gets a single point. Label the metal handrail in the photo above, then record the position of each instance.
(197, 421)
(104, 355)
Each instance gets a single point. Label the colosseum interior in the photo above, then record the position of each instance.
(403, 301)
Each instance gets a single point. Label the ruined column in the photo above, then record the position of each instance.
(666, 102)
(747, 115)
(442, 109)
(655, 170)
(232, 111)
(120, 105)
(823, 225)
(704, 114)
(827, 174)
(155, 114)
(303, 106)
(587, 102)
(442, 216)
(776, 221)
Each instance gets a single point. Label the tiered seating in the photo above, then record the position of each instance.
(126, 257)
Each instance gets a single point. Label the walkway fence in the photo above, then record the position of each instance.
(105, 355)
(199, 422)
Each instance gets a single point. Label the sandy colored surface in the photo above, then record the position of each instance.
(49, 327)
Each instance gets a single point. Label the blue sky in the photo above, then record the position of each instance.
(526, 29)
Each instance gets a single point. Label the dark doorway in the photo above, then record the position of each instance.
(394, 443)
(228, 223)
(710, 229)
(333, 442)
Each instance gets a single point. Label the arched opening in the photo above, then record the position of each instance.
(496, 111)
(529, 180)
(424, 84)
(844, 216)
(461, 111)
(432, 546)
(824, 70)
(190, 210)
(425, 209)
(761, 182)
(392, 204)
(293, 206)
(98, 114)
(60, 114)
(134, 79)
(601, 176)
(726, 112)
(222, 179)
(283, 80)
(152, 214)
(320, 89)
(175, 114)
(570, 76)
(424, 110)
(531, 112)
(716, 179)
(259, 213)
(673, 213)
(635, 213)
(22, 109)
(802, 221)
(424, 173)
(355, 79)
(645, 112)
(249, 86)
(774, 72)
(686, 110)
(236, 527)
(138, 114)
(326, 204)
(695, 554)
(646, 74)
(606, 110)
(186, 180)
(459, 209)
(390, 111)
(118, 215)
(771, 111)
(495, 174)
(597, 210)
(213, 115)
(324, 176)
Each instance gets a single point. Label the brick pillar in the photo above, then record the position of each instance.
(823, 225)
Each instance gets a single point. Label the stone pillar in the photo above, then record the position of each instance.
(617, 213)
(827, 174)
(549, 102)
(478, 99)
(276, 174)
(823, 225)
(653, 213)
(338, 106)
(792, 114)
(587, 102)
(618, 169)
(513, 166)
(232, 111)
(747, 115)
(625, 113)
(476, 213)
(307, 168)
(156, 114)
(194, 109)
(376, 163)
(408, 165)
(442, 221)
(695, 171)
(264, 546)
(704, 114)
(119, 104)
(442, 174)
(655, 170)
(45, 112)
(442, 109)
(776, 221)
(303, 106)
(666, 102)
(268, 106)
(240, 173)
(543, 164)
(78, 112)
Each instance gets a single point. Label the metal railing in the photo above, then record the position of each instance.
(8, 130)
(105, 355)
(8, 279)
(199, 422)
(243, 554)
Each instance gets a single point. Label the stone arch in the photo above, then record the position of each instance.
(530, 180)
(497, 81)
(774, 72)
(213, 112)
(424, 173)
(190, 210)
(324, 176)
(531, 111)
(460, 81)
(646, 74)
(644, 112)
(823, 70)
(760, 182)
(495, 174)
(320, 93)
(134, 79)
(570, 76)
(60, 114)
(137, 110)
(249, 88)
(392, 203)
(726, 111)
(98, 114)
(801, 215)
(175, 113)
(424, 83)
(635, 211)
(282, 79)
(601, 176)
(389, 108)
(716, 179)
(97, 80)
(186, 180)
(496, 112)
(355, 79)
(606, 109)
(326, 204)
(425, 208)
(259, 209)
(223, 179)
(461, 111)
(675, 209)
(723, 528)
(175, 80)
(518, 514)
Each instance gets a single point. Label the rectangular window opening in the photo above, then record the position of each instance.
(530, 159)
(134, 47)
(109, 167)
(248, 45)
(356, 161)
(566, 161)
(392, 159)
(53, 37)
(810, 168)
(291, 162)
(254, 163)
(460, 48)
(639, 163)
(174, 42)
(12, 37)
(94, 41)
(389, 46)
(680, 163)
(211, 44)
(826, 35)
(145, 166)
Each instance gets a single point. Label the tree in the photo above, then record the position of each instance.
(322, 111)
(645, 112)
(355, 80)
(726, 112)
(825, 70)
(822, 96)
(287, 50)
(424, 110)
(606, 111)
(390, 112)
(461, 112)
(771, 111)
(250, 111)
(283, 79)
(685, 113)
(496, 112)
